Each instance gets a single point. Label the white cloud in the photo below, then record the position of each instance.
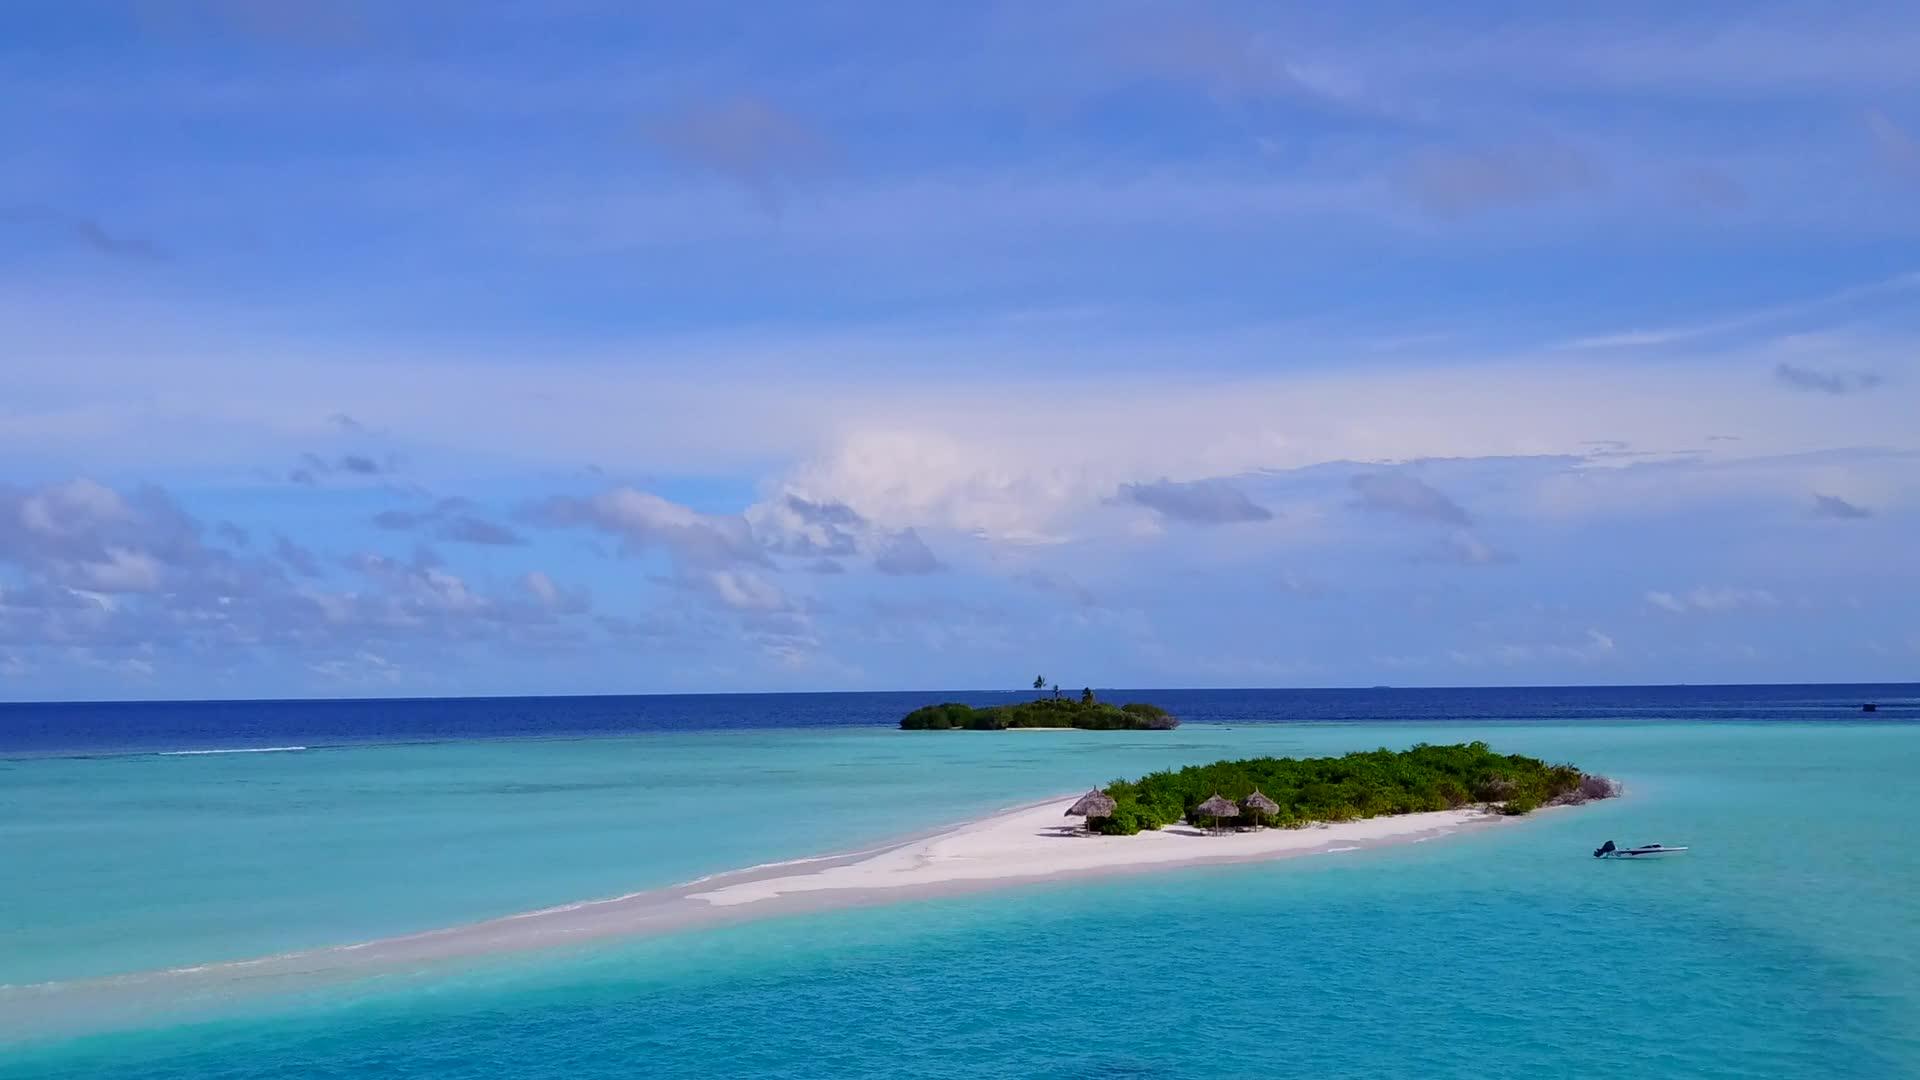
(905, 554)
(645, 520)
(552, 597)
(1465, 548)
(908, 430)
(1598, 644)
(71, 508)
(1704, 599)
(1200, 502)
(1407, 495)
(1593, 646)
(122, 570)
(1752, 319)
(743, 590)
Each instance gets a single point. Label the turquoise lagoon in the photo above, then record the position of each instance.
(1784, 945)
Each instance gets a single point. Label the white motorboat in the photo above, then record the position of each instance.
(1610, 850)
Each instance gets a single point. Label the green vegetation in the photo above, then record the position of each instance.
(1359, 785)
(1054, 712)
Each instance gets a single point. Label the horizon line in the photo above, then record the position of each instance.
(924, 690)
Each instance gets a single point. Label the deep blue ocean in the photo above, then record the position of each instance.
(124, 727)
(1782, 945)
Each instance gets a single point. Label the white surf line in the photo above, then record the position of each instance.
(237, 750)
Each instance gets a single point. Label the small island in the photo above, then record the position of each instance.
(1087, 713)
(1294, 792)
(1046, 713)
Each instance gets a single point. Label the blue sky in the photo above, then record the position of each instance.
(594, 347)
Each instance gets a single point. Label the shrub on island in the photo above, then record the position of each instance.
(1359, 785)
(1044, 713)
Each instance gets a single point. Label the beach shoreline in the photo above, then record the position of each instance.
(1038, 842)
(1029, 844)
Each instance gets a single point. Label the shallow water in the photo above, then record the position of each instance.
(1782, 945)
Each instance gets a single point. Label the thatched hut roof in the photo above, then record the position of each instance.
(1257, 801)
(1217, 807)
(1093, 804)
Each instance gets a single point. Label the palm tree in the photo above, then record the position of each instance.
(1039, 682)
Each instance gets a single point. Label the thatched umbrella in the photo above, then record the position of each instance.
(1094, 804)
(1259, 808)
(1217, 808)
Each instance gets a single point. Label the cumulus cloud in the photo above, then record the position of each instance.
(645, 521)
(84, 535)
(1465, 549)
(792, 525)
(419, 586)
(553, 597)
(1826, 381)
(716, 557)
(774, 623)
(1200, 502)
(1408, 496)
(452, 520)
(128, 577)
(824, 513)
(904, 553)
(1705, 599)
(313, 468)
(1833, 506)
(827, 530)
(740, 590)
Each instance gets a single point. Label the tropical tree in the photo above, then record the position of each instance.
(1039, 682)
(1086, 696)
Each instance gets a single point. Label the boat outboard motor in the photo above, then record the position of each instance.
(1604, 849)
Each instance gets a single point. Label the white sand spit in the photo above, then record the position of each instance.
(1041, 842)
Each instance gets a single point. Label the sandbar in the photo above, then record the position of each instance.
(1022, 845)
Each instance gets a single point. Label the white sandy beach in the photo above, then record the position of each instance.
(1040, 842)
